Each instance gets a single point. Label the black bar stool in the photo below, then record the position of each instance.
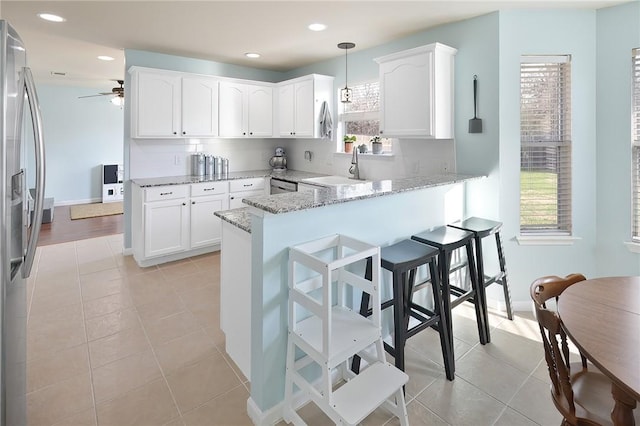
(448, 239)
(482, 228)
(403, 260)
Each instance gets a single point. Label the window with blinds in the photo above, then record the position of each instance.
(545, 145)
(635, 140)
(360, 117)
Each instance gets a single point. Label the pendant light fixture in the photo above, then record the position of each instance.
(345, 94)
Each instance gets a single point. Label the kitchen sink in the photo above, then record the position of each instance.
(334, 181)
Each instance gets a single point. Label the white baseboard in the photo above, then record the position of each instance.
(127, 251)
(516, 305)
(264, 418)
(73, 202)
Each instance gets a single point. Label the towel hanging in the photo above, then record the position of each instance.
(326, 124)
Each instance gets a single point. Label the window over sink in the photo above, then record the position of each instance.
(360, 118)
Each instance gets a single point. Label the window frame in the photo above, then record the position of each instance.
(344, 117)
(548, 148)
(635, 145)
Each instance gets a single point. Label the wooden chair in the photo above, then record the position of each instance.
(582, 395)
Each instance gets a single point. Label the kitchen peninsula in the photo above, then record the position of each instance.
(255, 243)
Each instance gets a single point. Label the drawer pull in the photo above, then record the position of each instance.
(166, 193)
(209, 189)
(247, 184)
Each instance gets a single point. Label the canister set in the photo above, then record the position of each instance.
(209, 165)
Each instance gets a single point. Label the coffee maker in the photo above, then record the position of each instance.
(279, 161)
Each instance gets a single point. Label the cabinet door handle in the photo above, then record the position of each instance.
(175, 133)
(184, 204)
(193, 202)
(251, 133)
(209, 189)
(381, 131)
(247, 185)
(166, 193)
(184, 133)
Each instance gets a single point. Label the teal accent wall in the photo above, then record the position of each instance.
(80, 135)
(532, 32)
(618, 31)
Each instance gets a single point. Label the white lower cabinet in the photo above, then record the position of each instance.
(244, 188)
(176, 221)
(166, 227)
(206, 199)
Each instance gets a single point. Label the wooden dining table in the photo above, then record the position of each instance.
(602, 318)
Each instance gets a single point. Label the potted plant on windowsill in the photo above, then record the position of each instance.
(376, 144)
(348, 143)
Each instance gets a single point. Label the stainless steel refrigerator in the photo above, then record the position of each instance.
(20, 139)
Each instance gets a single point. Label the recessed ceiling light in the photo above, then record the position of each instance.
(252, 55)
(105, 58)
(51, 17)
(317, 27)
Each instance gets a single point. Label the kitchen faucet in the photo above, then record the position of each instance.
(354, 170)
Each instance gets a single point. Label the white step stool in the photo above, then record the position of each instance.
(330, 333)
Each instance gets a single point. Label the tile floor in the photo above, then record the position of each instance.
(110, 343)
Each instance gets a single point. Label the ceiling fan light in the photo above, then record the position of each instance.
(117, 100)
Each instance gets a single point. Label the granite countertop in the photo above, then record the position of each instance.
(327, 195)
(324, 196)
(288, 175)
(237, 217)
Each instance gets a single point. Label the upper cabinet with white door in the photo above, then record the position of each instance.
(167, 104)
(155, 103)
(199, 106)
(245, 110)
(170, 104)
(416, 92)
(299, 105)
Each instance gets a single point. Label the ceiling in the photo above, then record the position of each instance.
(224, 30)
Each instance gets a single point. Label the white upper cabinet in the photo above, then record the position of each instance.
(299, 104)
(245, 110)
(416, 92)
(170, 104)
(199, 106)
(155, 105)
(173, 105)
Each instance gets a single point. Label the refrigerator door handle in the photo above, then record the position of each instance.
(29, 89)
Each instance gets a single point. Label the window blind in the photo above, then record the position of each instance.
(635, 139)
(545, 144)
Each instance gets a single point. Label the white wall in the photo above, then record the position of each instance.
(80, 135)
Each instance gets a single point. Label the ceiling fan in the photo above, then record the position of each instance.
(116, 92)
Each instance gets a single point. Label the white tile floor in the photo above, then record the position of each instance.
(110, 343)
